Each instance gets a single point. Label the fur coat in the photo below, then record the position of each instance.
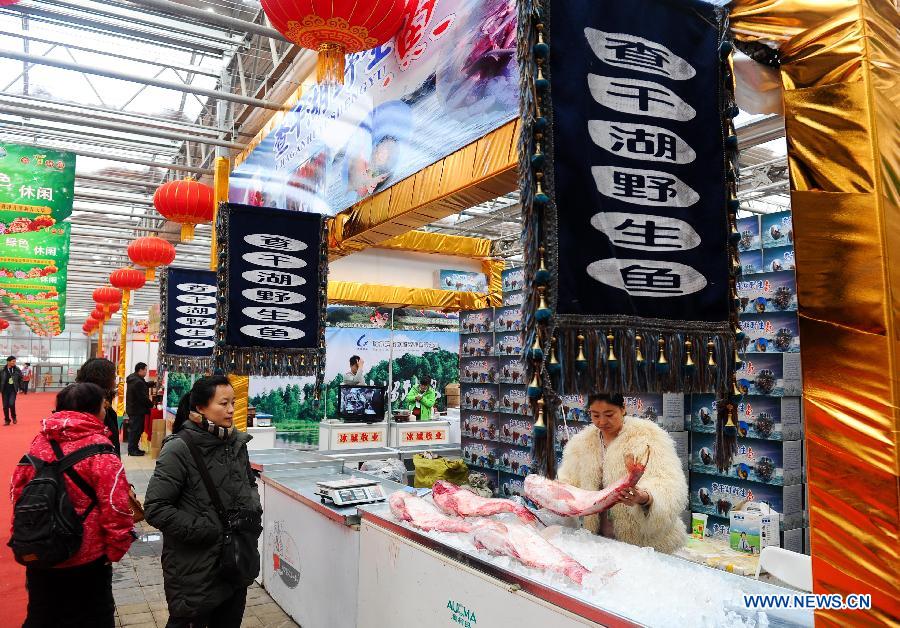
(585, 466)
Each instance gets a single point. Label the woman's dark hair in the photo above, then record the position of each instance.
(101, 372)
(83, 397)
(202, 392)
(613, 399)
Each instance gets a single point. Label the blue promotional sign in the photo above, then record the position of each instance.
(448, 78)
(272, 283)
(188, 319)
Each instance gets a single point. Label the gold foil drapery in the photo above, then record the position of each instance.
(442, 243)
(350, 293)
(493, 268)
(220, 190)
(474, 174)
(241, 386)
(123, 342)
(841, 76)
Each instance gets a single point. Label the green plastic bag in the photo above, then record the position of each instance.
(430, 470)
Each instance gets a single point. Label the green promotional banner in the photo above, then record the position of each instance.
(50, 243)
(33, 177)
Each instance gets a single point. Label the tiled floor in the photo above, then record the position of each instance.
(138, 579)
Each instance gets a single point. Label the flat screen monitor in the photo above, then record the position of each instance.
(361, 403)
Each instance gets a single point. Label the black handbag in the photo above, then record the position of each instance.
(239, 560)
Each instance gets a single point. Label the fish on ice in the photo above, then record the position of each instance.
(454, 500)
(570, 501)
(421, 514)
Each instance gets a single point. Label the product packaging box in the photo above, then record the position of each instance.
(478, 370)
(666, 410)
(776, 374)
(769, 418)
(511, 370)
(491, 477)
(566, 432)
(513, 279)
(719, 528)
(770, 462)
(508, 319)
(771, 333)
(478, 397)
(574, 408)
(508, 343)
(751, 262)
(778, 259)
(777, 230)
(516, 430)
(753, 528)
(514, 400)
(478, 425)
(768, 292)
(516, 460)
(749, 230)
(476, 321)
(715, 495)
(511, 485)
(477, 346)
(482, 454)
(516, 298)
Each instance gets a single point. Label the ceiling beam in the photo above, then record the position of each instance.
(210, 17)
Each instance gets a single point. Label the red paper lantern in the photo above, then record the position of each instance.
(98, 314)
(151, 252)
(188, 202)
(127, 279)
(336, 28)
(87, 329)
(110, 308)
(6, 3)
(106, 294)
(3, 324)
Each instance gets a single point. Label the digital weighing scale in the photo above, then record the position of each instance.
(350, 492)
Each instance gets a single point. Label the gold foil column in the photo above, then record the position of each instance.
(220, 189)
(241, 386)
(123, 341)
(493, 268)
(840, 72)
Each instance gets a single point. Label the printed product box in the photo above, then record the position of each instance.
(749, 230)
(479, 425)
(508, 319)
(516, 431)
(476, 321)
(667, 410)
(768, 292)
(770, 462)
(566, 432)
(513, 279)
(509, 344)
(491, 477)
(516, 460)
(478, 370)
(777, 230)
(511, 485)
(774, 374)
(514, 400)
(477, 397)
(716, 496)
(477, 346)
(516, 298)
(719, 528)
(769, 418)
(511, 370)
(753, 528)
(751, 262)
(778, 259)
(574, 408)
(771, 333)
(484, 455)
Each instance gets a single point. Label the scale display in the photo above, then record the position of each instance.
(350, 492)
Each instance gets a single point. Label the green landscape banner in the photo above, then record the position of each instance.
(34, 177)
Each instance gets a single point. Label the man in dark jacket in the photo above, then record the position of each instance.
(179, 505)
(137, 407)
(10, 382)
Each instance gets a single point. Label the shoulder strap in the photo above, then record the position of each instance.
(67, 463)
(204, 474)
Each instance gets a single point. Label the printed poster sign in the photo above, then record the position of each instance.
(35, 182)
(272, 284)
(462, 281)
(187, 332)
(448, 78)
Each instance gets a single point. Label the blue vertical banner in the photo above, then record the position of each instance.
(187, 300)
(272, 291)
(628, 177)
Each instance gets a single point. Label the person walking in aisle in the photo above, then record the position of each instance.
(204, 499)
(137, 407)
(102, 372)
(77, 593)
(26, 377)
(10, 382)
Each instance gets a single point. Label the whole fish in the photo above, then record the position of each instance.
(525, 545)
(570, 501)
(454, 500)
(420, 514)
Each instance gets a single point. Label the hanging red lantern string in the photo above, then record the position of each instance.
(151, 252)
(3, 324)
(188, 202)
(336, 28)
(107, 295)
(127, 279)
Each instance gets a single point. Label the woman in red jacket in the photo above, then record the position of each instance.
(78, 592)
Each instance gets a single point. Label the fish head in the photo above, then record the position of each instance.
(443, 487)
(636, 466)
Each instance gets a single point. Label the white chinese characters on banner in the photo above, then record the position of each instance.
(643, 142)
(195, 329)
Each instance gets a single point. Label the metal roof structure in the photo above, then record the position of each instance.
(144, 91)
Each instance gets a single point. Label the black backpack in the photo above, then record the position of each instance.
(46, 528)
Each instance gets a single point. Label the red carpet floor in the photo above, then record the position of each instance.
(14, 442)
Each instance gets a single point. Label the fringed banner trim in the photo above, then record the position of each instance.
(190, 365)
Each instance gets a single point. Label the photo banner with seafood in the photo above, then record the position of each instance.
(272, 290)
(448, 78)
(187, 300)
(628, 176)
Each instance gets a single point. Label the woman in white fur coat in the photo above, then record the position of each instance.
(649, 514)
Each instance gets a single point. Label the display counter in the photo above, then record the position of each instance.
(268, 459)
(337, 435)
(628, 586)
(418, 433)
(263, 438)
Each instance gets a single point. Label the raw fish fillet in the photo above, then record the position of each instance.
(420, 514)
(528, 547)
(570, 501)
(454, 500)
